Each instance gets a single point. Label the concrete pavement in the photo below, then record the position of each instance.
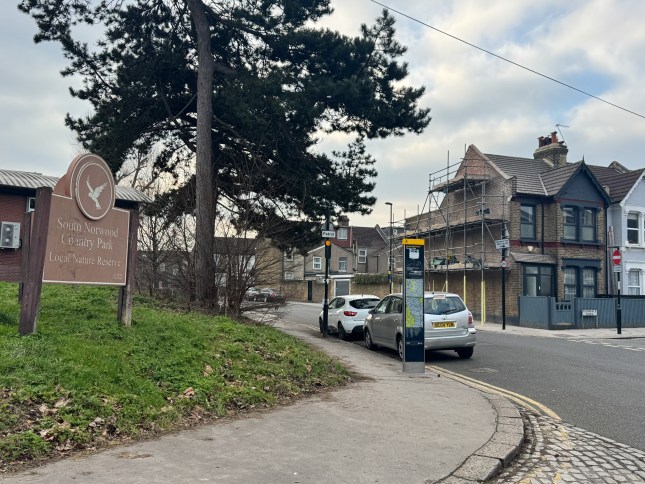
(601, 333)
(389, 427)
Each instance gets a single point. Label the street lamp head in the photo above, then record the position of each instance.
(388, 203)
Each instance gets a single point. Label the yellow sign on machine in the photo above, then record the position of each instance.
(412, 242)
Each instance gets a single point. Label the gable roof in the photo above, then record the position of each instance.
(556, 178)
(32, 180)
(524, 170)
(369, 237)
(539, 177)
(618, 182)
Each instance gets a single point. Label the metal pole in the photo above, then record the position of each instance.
(325, 328)
(504, 254)
(619, 316)
(389, 273)
(504, 291)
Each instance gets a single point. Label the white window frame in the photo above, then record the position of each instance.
(31, 204)
(341, 234)
(342, 261)
(288, 255)
(288, 276)
(362, 256)
(634, 289)
(162, 267)
(637, 229)
(316, 263)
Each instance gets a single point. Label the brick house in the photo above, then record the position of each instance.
(17, 197)
(170, 271)
(552, 212)
(354, 250)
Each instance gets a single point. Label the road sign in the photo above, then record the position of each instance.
(329, 234)
(502, 244)
(502, 264)
(616, 257)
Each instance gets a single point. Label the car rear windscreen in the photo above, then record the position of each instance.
(364, 303)
(444, 305)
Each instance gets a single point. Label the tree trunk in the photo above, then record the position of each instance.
(205, 207)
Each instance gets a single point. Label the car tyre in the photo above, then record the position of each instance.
(367, 337)
(342, 334)
(399, 346)
(465, 353)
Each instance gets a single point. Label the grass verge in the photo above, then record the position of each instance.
(83, 381)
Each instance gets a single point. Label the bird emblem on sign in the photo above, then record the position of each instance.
(94, 193)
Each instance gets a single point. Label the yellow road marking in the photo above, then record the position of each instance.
(516, 397)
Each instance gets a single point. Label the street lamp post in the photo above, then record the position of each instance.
(389, 274)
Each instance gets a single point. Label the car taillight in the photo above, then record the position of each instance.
(470, 318)
(350, 313)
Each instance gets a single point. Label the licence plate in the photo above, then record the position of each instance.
(444, 324)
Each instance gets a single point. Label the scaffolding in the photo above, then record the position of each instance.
(468, 209)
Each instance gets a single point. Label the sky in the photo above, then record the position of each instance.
(596, 46)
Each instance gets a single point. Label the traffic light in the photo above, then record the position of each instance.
(327, 249)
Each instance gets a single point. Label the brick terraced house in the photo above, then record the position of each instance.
(552, 212)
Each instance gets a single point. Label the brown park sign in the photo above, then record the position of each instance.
(87, 238)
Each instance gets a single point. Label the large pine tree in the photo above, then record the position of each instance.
(248, 88)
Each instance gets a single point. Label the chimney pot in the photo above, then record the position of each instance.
(554, 137)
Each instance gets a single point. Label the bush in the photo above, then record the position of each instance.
(368, 279)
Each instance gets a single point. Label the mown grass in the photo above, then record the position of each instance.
(83, 381)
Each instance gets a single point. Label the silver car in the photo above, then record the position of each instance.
(448, 324)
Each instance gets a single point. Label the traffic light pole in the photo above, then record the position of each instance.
(325, 328)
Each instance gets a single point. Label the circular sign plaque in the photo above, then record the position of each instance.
(93, 187)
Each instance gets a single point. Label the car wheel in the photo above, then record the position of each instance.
(465, 353)
(399, 346)
(367, 337)
(342, 334)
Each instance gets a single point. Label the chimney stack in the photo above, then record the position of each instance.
(551, 150)
(343, 221)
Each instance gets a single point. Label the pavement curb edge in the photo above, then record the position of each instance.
(496, 454)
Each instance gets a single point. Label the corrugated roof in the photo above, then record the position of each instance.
(33, 180)
(618, 182)
(26, 179)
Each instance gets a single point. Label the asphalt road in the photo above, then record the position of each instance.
(597, 386)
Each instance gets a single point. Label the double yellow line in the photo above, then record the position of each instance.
(480, 385)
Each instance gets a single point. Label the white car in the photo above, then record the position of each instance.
(347, 313)
(448, 324)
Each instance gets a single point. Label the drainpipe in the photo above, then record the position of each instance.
(542, 244)
(606, 228)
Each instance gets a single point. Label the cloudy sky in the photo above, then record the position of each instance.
(597, 46)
